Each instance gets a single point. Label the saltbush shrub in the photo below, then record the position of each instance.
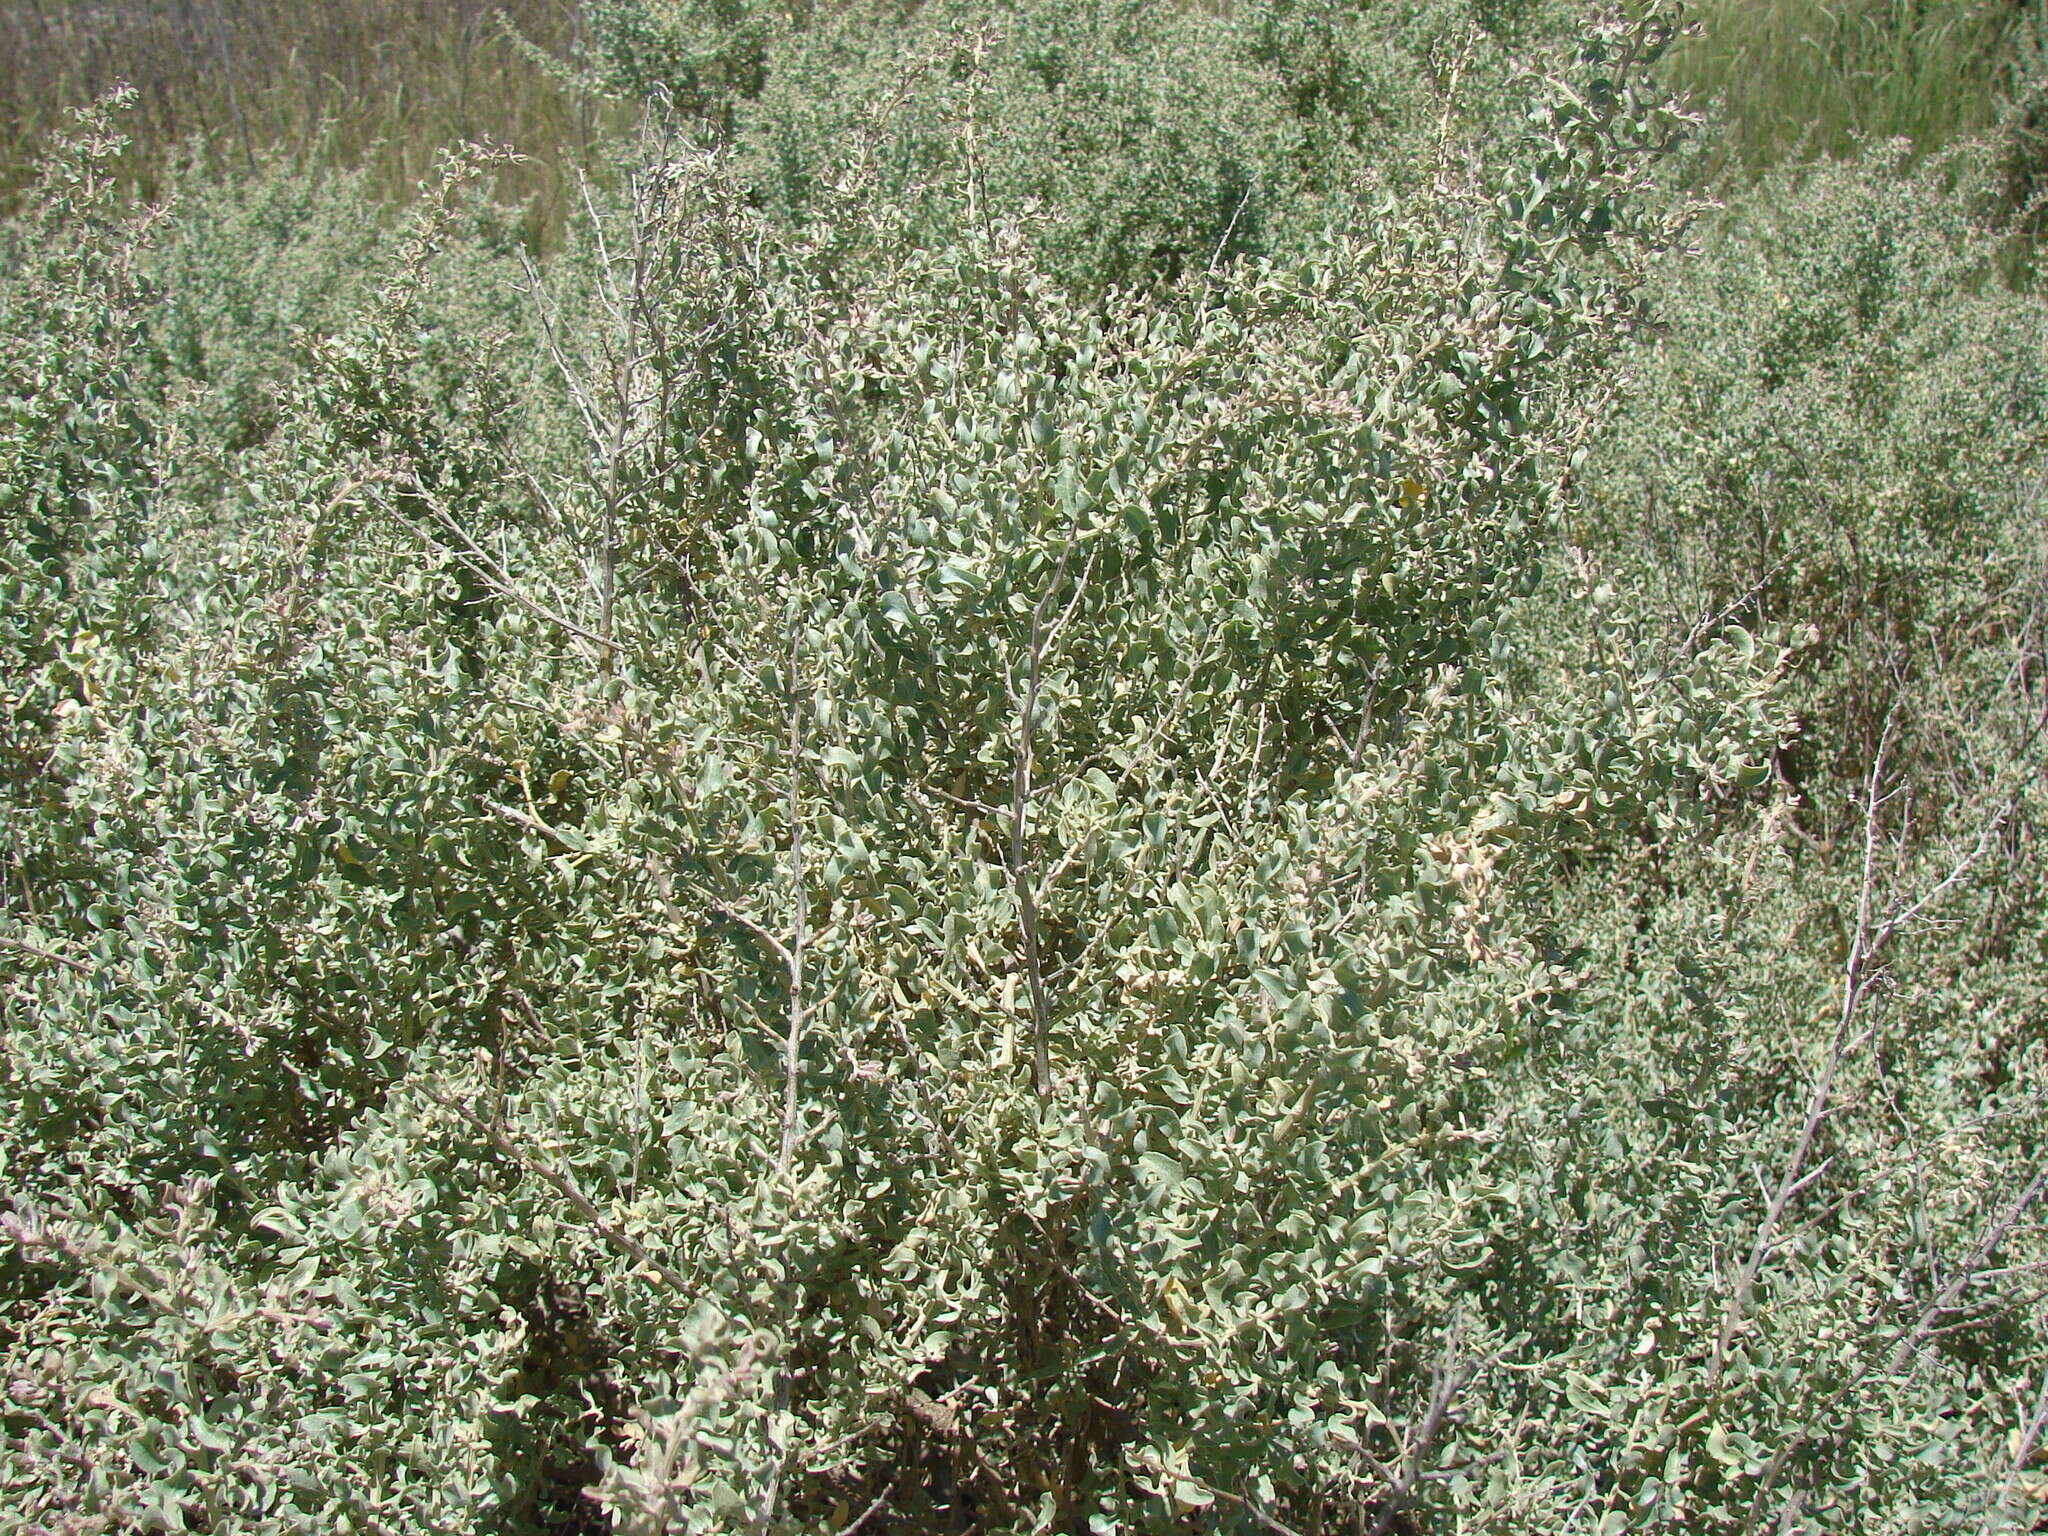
(863, 856)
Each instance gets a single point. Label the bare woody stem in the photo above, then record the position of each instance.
(1020, 870)
(1023, 882)
(1867, 945)
(1895, 1354)
(568, 1189)
(2001, 1513)
(1855, 978)
(800, 913)
(1450, 1378)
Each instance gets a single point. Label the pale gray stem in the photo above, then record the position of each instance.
(1021, 873)
(2000, 1513)
(793, 953)
(1451, 1377)
(1855, 976)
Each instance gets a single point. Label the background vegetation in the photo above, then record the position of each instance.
(1079, 767)
(372, 85)
(1799, 78)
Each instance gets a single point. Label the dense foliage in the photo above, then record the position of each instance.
(1115, 769)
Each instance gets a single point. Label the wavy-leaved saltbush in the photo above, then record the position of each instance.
(887, 865)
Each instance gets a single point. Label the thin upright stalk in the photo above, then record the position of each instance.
(800, 918)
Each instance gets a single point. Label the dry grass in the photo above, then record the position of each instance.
(1818, 76)
(380, 84)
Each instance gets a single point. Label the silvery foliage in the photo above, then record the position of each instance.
(840, 880)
